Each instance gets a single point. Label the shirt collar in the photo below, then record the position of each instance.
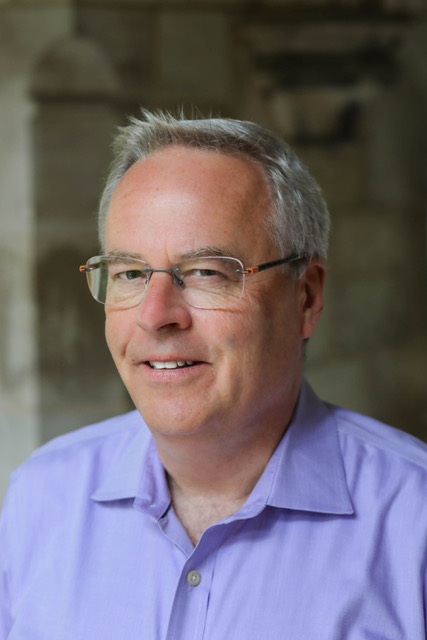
(124, 476)
(310, 473)
(306, 471)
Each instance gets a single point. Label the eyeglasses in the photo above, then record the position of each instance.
(214, 282)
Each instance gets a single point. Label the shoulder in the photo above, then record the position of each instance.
(369, 434)
(97, 434)
(83, 455)
(383, 465)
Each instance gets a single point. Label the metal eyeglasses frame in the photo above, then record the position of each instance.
(174, 271)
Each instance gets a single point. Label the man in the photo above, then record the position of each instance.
(232, 504)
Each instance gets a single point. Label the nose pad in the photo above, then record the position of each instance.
(175, 278)
(163, 303)
(158, 283)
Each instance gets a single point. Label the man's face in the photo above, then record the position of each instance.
(247, 359)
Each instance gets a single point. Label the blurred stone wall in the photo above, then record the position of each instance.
(344, 82)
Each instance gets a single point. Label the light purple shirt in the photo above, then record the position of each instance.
(331, 544)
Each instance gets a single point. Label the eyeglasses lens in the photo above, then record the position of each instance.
(205, 283)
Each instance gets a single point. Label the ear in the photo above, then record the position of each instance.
(312, 296)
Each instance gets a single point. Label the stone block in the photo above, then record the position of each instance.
(194, 60)
(307, 3)
(404, 5)
(368, 312)
(23, 35)
(18, 347)
(64, 412)
(346, 383)
(31, 4)
(28, 28)
(77, 379)
(126, 36)
(340, 171)
(367, 242)
(400, 380)
(18, 437)
(386, 384)
(74, 67)
(312, 113)
(19, 426)
(71, 156)
(15, 165)
(165, 4)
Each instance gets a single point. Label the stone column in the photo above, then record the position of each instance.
(24, 33)
(73, 88)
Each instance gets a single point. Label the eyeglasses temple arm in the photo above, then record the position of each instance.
(269, 265)
(83, 268)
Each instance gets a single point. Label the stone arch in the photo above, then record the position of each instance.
(74, 68)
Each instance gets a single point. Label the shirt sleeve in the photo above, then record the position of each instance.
(5, 555)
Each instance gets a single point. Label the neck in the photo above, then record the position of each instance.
(197, 512)
(232, 476)
(212, 473)
(224, 458)
(208, 488)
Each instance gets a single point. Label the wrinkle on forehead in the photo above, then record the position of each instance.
(195, 187)
(202, 252)
(247, 185)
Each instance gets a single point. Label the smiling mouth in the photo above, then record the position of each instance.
(172, 364)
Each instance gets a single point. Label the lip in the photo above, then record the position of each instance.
(195, 363)
(165, 364)
(145, 360)
(169, 358)
(181, 373)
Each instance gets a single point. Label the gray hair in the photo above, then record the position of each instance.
(299, 219)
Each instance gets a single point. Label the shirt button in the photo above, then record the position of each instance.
(193, 578)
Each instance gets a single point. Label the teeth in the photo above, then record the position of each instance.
(172, 364)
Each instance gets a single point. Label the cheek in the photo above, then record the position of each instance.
(222, 327)
(277, 330)
(244, 335)
(110, 335)
(117, 332)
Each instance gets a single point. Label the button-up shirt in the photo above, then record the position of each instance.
(330, 545)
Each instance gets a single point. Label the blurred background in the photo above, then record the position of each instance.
(344, 82)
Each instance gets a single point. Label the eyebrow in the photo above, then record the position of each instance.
(203, 252)
(208, 252)
(123, 254)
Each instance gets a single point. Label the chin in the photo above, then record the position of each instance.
(176, 421)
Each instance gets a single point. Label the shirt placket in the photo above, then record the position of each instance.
(190, 606)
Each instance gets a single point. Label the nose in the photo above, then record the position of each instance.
(163, 305)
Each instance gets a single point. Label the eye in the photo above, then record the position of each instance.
(121, 270)
(131, 274)
(204, 273)
(204, 276)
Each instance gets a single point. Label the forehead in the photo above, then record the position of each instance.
(198, 197)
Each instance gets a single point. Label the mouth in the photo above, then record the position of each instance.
(172, 364)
